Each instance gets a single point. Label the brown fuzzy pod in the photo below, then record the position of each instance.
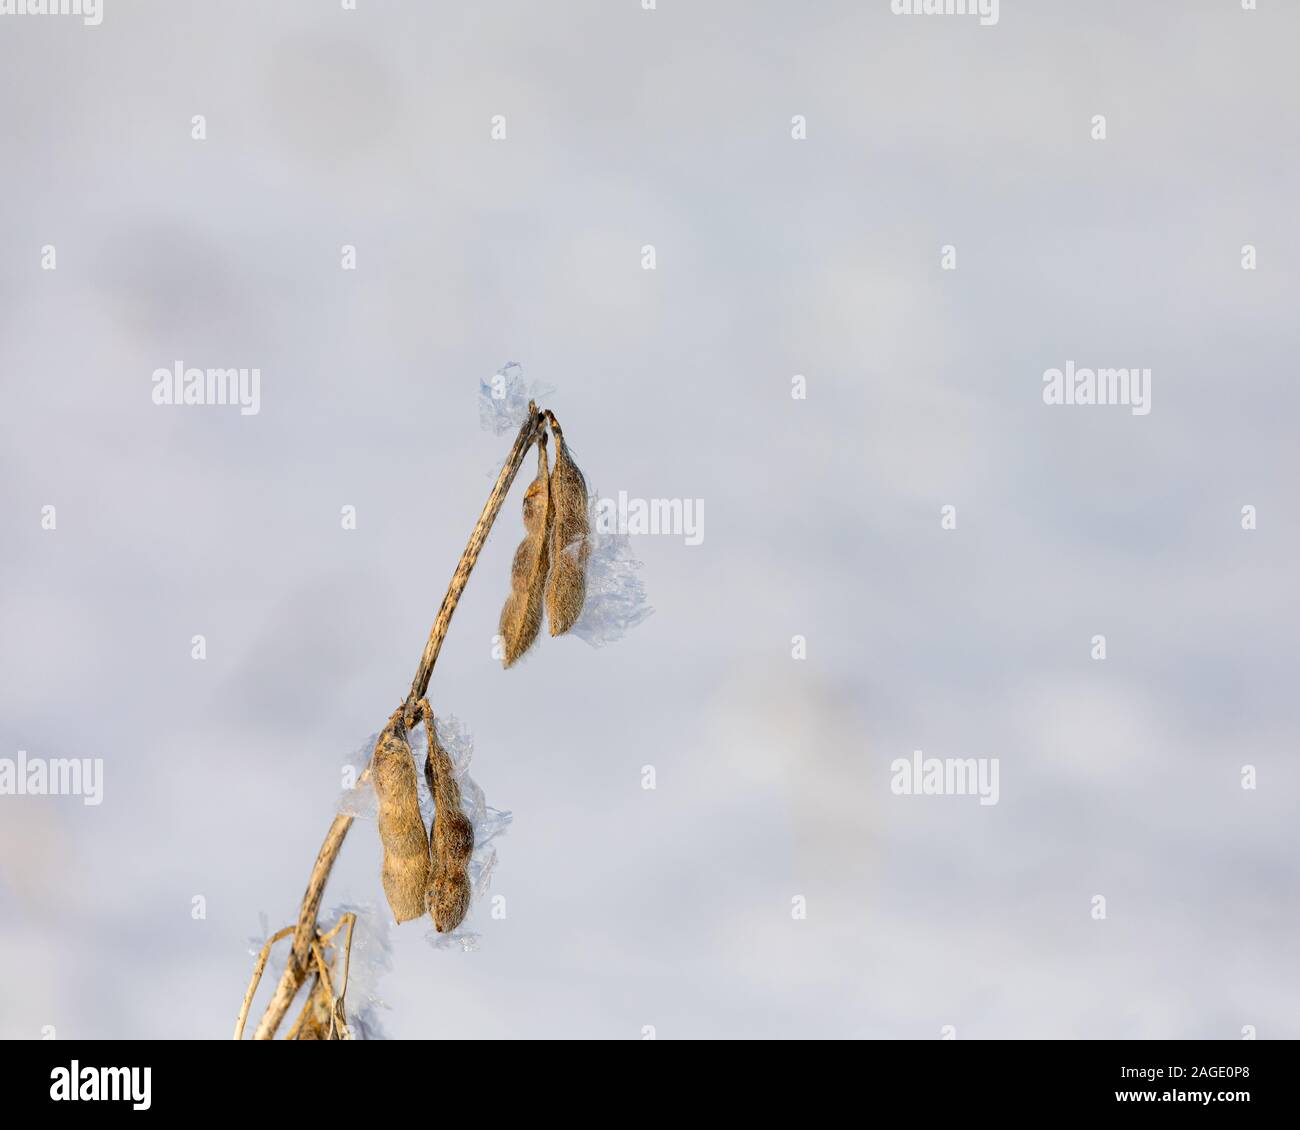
(405, 871)
(451, 840)
(521, 618)
(566, 586)
(449, 900)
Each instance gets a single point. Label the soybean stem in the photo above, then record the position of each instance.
(295, 971)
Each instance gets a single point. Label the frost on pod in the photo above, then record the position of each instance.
(592, 584)
(457, 743)
(451, 838)
(615, 600)
(462, 793)
(549, 569)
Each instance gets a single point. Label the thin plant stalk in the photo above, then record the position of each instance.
(298, 965)
(258, 967)
(338, 1024)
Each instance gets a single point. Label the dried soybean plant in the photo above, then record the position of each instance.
(425, 870)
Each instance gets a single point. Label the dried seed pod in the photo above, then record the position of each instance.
(405, 870)
(521, 618)
(451, 840)
(566, 586)
(449, 901)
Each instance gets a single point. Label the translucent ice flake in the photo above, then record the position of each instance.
(503, 399)
(616, 600)
(358, 799)
(370, 959)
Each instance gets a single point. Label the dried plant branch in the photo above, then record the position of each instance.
(258, 968)
(339, 1015)
(296, 970)
(344, 920)
(338, 1023)
(323, 1015)
(309, 1005)
(527, 436)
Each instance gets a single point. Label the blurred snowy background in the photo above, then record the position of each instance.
(668, 908)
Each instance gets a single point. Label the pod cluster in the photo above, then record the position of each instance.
(426, 870)
(549, 570)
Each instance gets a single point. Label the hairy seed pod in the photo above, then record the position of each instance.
(521, 618)
(566, 586)
(451, 840)
(449, 901)
(405, 871)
